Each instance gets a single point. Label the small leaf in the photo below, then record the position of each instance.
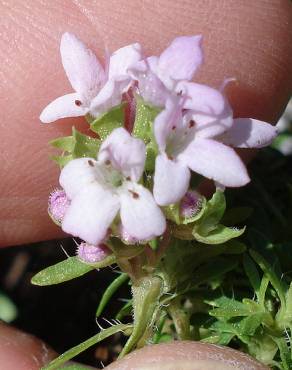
(252, 273)
(85, 146)
(68, 355)
(106, 123)
(125, 310)
(68, 269)
(285, 352)
(278, 284)
(213, 212)
(143, 129)
(110, 291)
(64, 143)
(76, 146)
(219, 235)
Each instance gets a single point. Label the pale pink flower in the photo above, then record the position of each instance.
(92, 253)
(97, 89)
(186, 144)
(158, 77)
(102, 189)
(57, 205)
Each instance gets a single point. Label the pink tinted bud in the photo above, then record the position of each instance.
(58, 205)
(190, 204)
(92, 253)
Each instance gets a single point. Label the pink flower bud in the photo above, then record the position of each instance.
(92, 253)
(58, 205)
(190, 204)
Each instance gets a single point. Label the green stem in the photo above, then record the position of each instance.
(180, 319)
(146, 294)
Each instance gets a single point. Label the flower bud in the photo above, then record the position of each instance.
(92, 253)
(57, 205)
(190, 204)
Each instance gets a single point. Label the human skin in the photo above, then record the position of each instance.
(249, 40)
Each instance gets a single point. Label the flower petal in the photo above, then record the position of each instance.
(180, 60)
(77, 174)
(167, 121)
(249, 133)
(126, 153)
(215, 161)
(83, 70)
(108, 97)
(140, 215)
(91, 213)
(209, 109)
(122, 59)
(63, 107)
(150, 87)
(171, 180)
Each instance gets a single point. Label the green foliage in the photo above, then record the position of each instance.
(110, 291)
(68, 269)
(143, 129)
(8, 310)
(76, 146)
(59, 361)
(106, 123)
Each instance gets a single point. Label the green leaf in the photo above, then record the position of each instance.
(212, 213)
(109, 292)
(125, 310)
(8, 310)
(285, 353)
(252, 273)
(65, 143)
(143, 129)
(146, 295)
(76, 146)
(68, 355)
(68, 269)
(278, 284)
(105, 124)
(228, 308)
(219, 235)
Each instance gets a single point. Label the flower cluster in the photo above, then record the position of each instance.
(194, 131)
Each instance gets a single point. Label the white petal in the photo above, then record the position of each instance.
(63, 107)
(180, 60)
(108, 97)
(170, 119)
(215, 161)
(126, 153)
(171, 180)
(201, 98)
(77, 174)
(83, 70)
(140, 215)
(209, 109)
(150, 87)
(91, 213)
(249, 133)
(122, 59)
